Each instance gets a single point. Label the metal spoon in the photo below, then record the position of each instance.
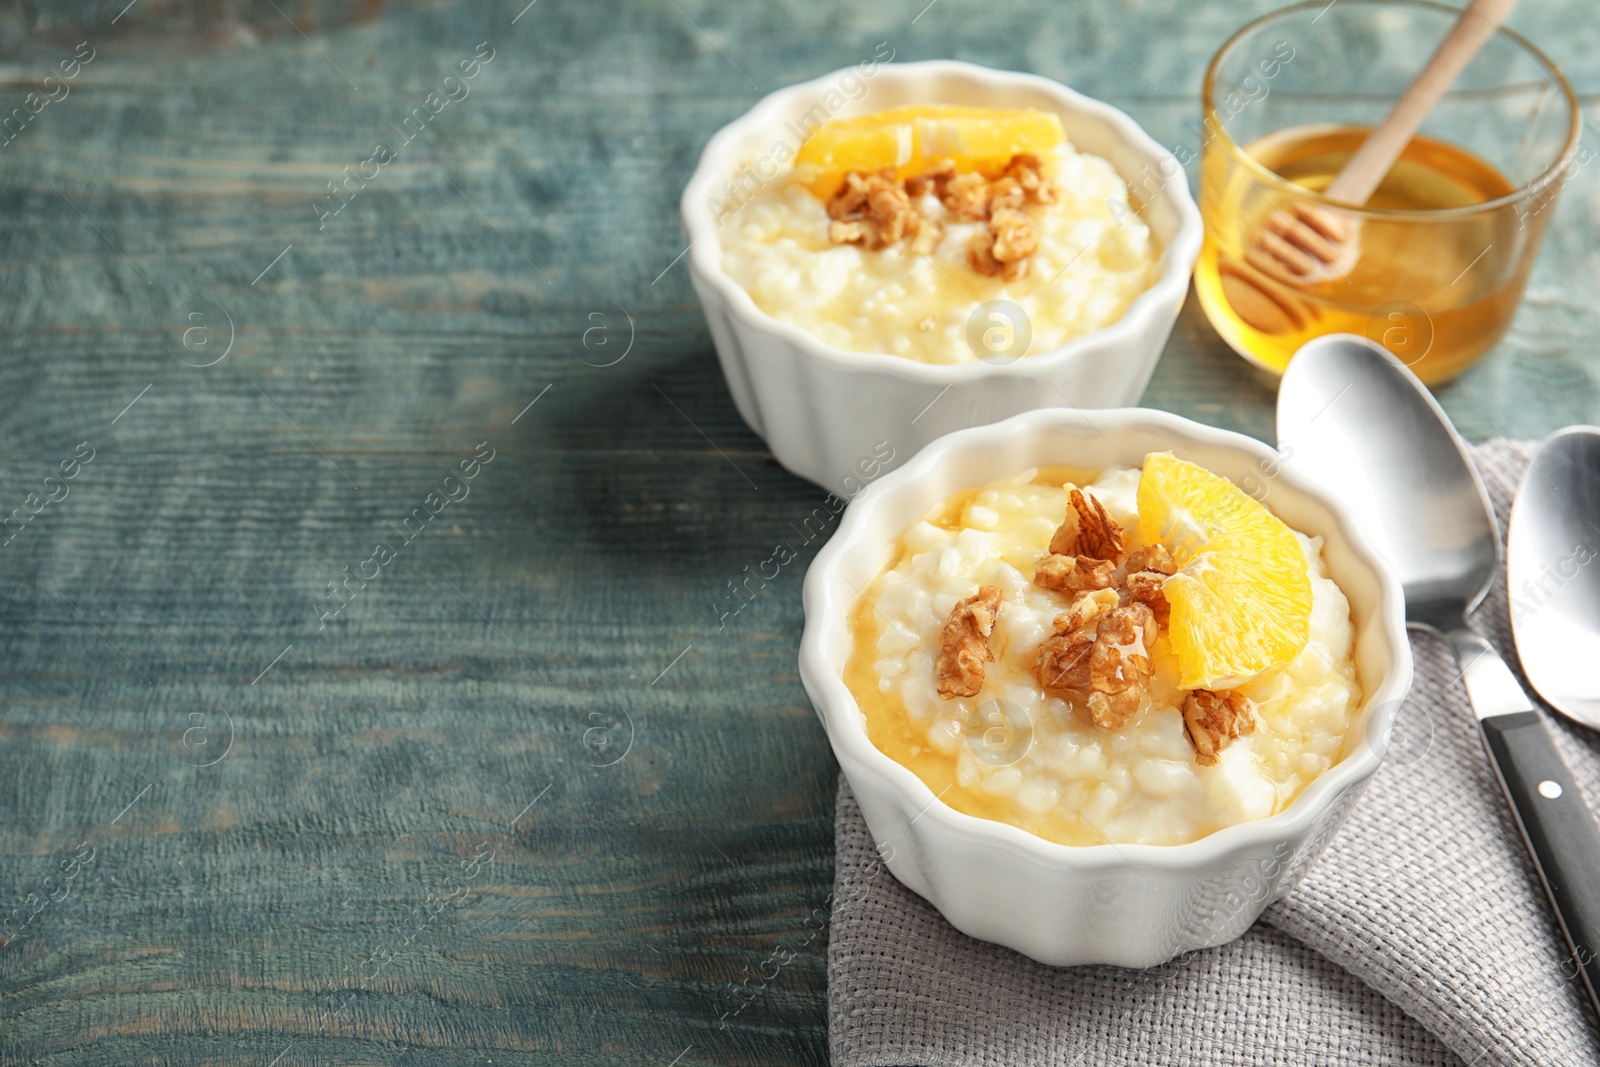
(1352, 417)
(1554, 535)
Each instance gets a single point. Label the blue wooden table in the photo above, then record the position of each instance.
(373, 493)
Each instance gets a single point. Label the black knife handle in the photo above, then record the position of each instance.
(1559, 830)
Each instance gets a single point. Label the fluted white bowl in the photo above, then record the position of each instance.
(824, 410)
(1126, 904)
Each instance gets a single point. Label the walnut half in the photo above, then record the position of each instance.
(1087, 530)
(1213, 719)
(1102, 649)
(1063, 658)
(1003, 249)
(1074, 574)
(964, 644)
(1119, 667)
(1147, 574)
(1027, 171)
(872, 210)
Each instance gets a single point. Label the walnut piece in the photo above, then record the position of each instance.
(852, 201)
(1063, 658)
(1119, 666)
(1003, 249)
(872, 210)
(935, 180)
(1147, 573)
(1027, 171)
(980, 256)
(1006, 193)
(966, 196)
(1213, 719)
(1064, 542)
(1074, 574)
(964, 644)
(1087, 530)
(1152, 558)
(1014, 235)
(1089, 608)
(1145, 587)
(1102, 649)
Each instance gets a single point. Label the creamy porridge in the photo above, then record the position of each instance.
(1106, 745)
(898, 264)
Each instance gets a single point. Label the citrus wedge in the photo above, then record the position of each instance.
(1241, 600)
(910, 139)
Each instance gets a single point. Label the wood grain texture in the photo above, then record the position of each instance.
(313, 844)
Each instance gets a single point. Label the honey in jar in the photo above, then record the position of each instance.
(1439, 265)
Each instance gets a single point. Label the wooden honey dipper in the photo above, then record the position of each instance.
(1304, 244)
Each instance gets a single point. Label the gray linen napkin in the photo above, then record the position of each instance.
(1421, 937)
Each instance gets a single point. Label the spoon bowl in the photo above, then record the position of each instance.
(1553, 542)
(1350, 417)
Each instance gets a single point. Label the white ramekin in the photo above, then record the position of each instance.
(824, 410)
(1131, 905)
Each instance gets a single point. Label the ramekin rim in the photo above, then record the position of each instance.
(841, 714)
(1170, 287)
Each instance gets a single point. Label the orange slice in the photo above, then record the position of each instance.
(1241, 600)
(912, 138)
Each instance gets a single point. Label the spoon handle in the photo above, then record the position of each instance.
(1365, 170)
(1556, 824)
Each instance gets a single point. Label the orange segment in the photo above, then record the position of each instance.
(911, 138)
(1241, 601)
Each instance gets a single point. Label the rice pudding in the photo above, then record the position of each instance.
(946, 212)
(1050, 652)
